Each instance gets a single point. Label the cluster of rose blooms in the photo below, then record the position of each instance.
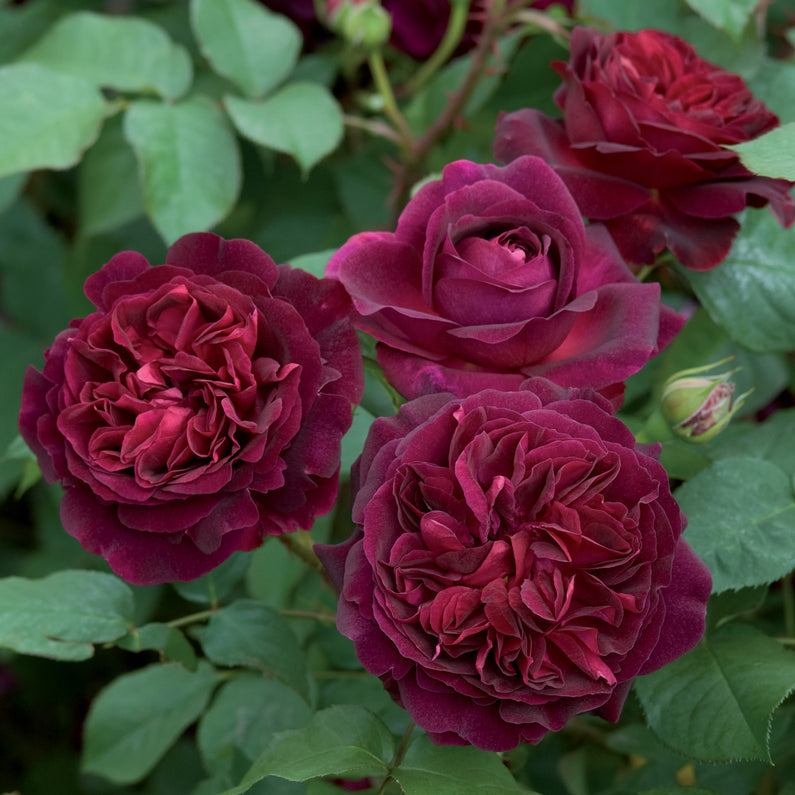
(517, 557)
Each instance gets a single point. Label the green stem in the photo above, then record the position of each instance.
(654, 430)
(459, 14)
(399, 754)
(300, 543)
(381, 79)
(193, 618)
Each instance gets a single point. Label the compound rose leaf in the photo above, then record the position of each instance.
(772, 154)
(254, 48)
(48, 120)
(251, 634)
(429, 769)
(752, 293)
(715, 703)
(62, 615)
(120, 52)
(740, 514)
(346, 741)
(138, 716)
(190, 165)
(301, 119)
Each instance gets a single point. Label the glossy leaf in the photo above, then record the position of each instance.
(139, 715)
(731, 17)
(109, 191)
(771, 154)
(120, 52)
(301, 119)
(741, 514)
(189, 162)
(244, 715)
(169, 641)
(253, 635)
(429, 769)
(716, 702)
(217, 584)
(752, 292)
(62, 615)
(344, 741)
(244, 41)
(48, 119)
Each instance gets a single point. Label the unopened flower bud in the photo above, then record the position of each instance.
(697, 406)
(363, 23)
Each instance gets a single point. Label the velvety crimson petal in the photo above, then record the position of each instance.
(698, 243)
(684, 598)
(206, 253)
(196, 411)
(123, 267)
(138, 558)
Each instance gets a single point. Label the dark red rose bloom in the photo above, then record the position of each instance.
(199, 409)
(517, 560)
(642, 144)
(492, 277)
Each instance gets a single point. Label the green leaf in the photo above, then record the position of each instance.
(190, 165)
(772, 440)
(429, 769)
(301, 119)
(740, 514)
(255, 48)
(752, 292)
(137, 717)
(715, 703)
(109, 192)
(345, 741)
(120, 52)
(244, 715)
(774, 84)
(48, 119)
(771, 154)
(730, 16)
(217, 584)
(60, 616)
(253, 635)
(10, 188)
(169, 641)
(632, 15)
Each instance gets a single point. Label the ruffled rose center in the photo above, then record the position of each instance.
(171, 387)
(504, 277)
(514, 564)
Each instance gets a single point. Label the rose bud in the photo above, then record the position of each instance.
(198, 409)
(697, 407)
(491, 277)
(642, 145)
(517, 560)
(363, 23)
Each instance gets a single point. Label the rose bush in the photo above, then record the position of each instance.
(492, 277)
(517, 560)
(642, 145)
(198, 409)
